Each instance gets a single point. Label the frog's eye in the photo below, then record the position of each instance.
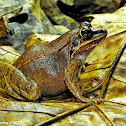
(86, 33)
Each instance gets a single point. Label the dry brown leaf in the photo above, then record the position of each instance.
(39, 38)
(8, 54)
(3, 29)
(117, 88)
(33, 113)
(113, 22)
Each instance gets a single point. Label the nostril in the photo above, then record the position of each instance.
(21, 18)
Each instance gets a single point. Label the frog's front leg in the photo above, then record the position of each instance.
(16, 84)
(75, 84)
(72, 80)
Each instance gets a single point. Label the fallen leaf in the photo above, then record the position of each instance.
(39, 38)
(113, 22)
(8, 54)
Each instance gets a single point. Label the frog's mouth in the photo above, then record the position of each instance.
(87, 40)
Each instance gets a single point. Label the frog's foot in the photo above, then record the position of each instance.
(98, 61)
(15, 84)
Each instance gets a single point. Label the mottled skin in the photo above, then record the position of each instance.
(40, 70)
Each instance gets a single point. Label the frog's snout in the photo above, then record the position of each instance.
(101, 30)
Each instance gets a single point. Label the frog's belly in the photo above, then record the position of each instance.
(48, 71)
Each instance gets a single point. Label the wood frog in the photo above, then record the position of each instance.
(40, 70)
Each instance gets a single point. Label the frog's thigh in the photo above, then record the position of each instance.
(14, 83)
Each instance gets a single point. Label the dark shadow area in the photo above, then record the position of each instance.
(21, 18)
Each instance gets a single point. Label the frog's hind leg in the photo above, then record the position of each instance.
(16, 84)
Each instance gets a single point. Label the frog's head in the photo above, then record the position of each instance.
(86, 39)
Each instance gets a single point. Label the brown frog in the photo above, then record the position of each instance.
(40, 70)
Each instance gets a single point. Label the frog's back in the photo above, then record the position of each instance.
(35, 51)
